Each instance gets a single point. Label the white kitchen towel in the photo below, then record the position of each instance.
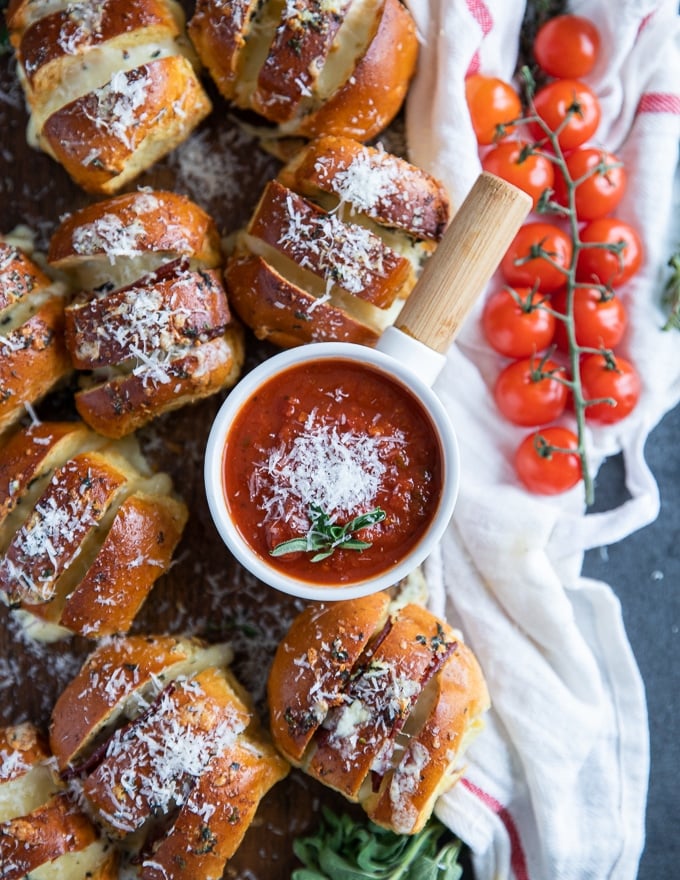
(556, 785)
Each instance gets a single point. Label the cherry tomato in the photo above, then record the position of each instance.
(527, 395)
(567, 46)
(599, 319)
(532, 173)
(515, 324)
(613, 378)
(603, 182)
(542, 464)
(599, 265)
(570, 106)
(533, 267)
(492, 102)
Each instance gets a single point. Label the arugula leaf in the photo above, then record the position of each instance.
(345, 849)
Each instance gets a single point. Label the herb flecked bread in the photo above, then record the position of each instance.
(85, 530)
(151, 330)
(43, 834)
(164, 746)
(33, 355)
(335, 245)
(379, 703)
(110, 84)
(310, 67)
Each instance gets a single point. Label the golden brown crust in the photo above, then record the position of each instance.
(111, 86)
(430, 763)
(22, 746)
(361, 736)
(367, 103)
(69, 510)
(65, 33)
(370, 181)
(123, 404)
(140, 544)
(284, 313)
(135, 224)
(338, 253)
(211, 824)
(19, 276)
(219, 31)
(152, 319)
(149, 765)
(323, 644)
(389, 726)
(301, 46)
(116, 670)
(85, 529)
(50, 831)
(106, 138)
(33, 357)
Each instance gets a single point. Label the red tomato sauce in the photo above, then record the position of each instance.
(341, 437)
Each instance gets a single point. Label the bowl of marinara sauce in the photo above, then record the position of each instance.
(332, 469)
(332, 472)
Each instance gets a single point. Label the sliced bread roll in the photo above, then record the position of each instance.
(152, 330)
(111, 85)
(310, 67)
(33, 355)
(377, 702)
(85, 530)
(43, 834)
(171, 759)
(335, 244)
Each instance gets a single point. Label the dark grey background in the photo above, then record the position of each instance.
(644, 571)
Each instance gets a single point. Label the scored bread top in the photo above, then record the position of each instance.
(371, 182)
(387, 724)
(359, 736)
(121, 674)
(124, 237)
(322, 647)
(149, 766)
(458, 699)
(33, 357)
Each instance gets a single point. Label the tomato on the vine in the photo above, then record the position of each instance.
(567, 46)
(568, 108)
(600, 318)
(516, 324)
(529, 171)
(544, 463)
(527, 392)
(539, 254)
(492, 102)
(602, 182)
(609, 378)
(601, 265)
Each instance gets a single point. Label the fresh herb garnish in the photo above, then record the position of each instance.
(325, 536)
(345, 849)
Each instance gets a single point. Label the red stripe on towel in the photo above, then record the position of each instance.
(659, 102)
(518, 861)
(480, 13)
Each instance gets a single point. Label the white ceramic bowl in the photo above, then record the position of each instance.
(394, 369)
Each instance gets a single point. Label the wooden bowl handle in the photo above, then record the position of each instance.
(469, 253)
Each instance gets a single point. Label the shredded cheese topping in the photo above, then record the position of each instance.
(339, 471)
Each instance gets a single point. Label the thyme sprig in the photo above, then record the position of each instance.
(345, 849)
(325, 536)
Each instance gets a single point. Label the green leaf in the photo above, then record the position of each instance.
(345, 849)
(325, 536)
